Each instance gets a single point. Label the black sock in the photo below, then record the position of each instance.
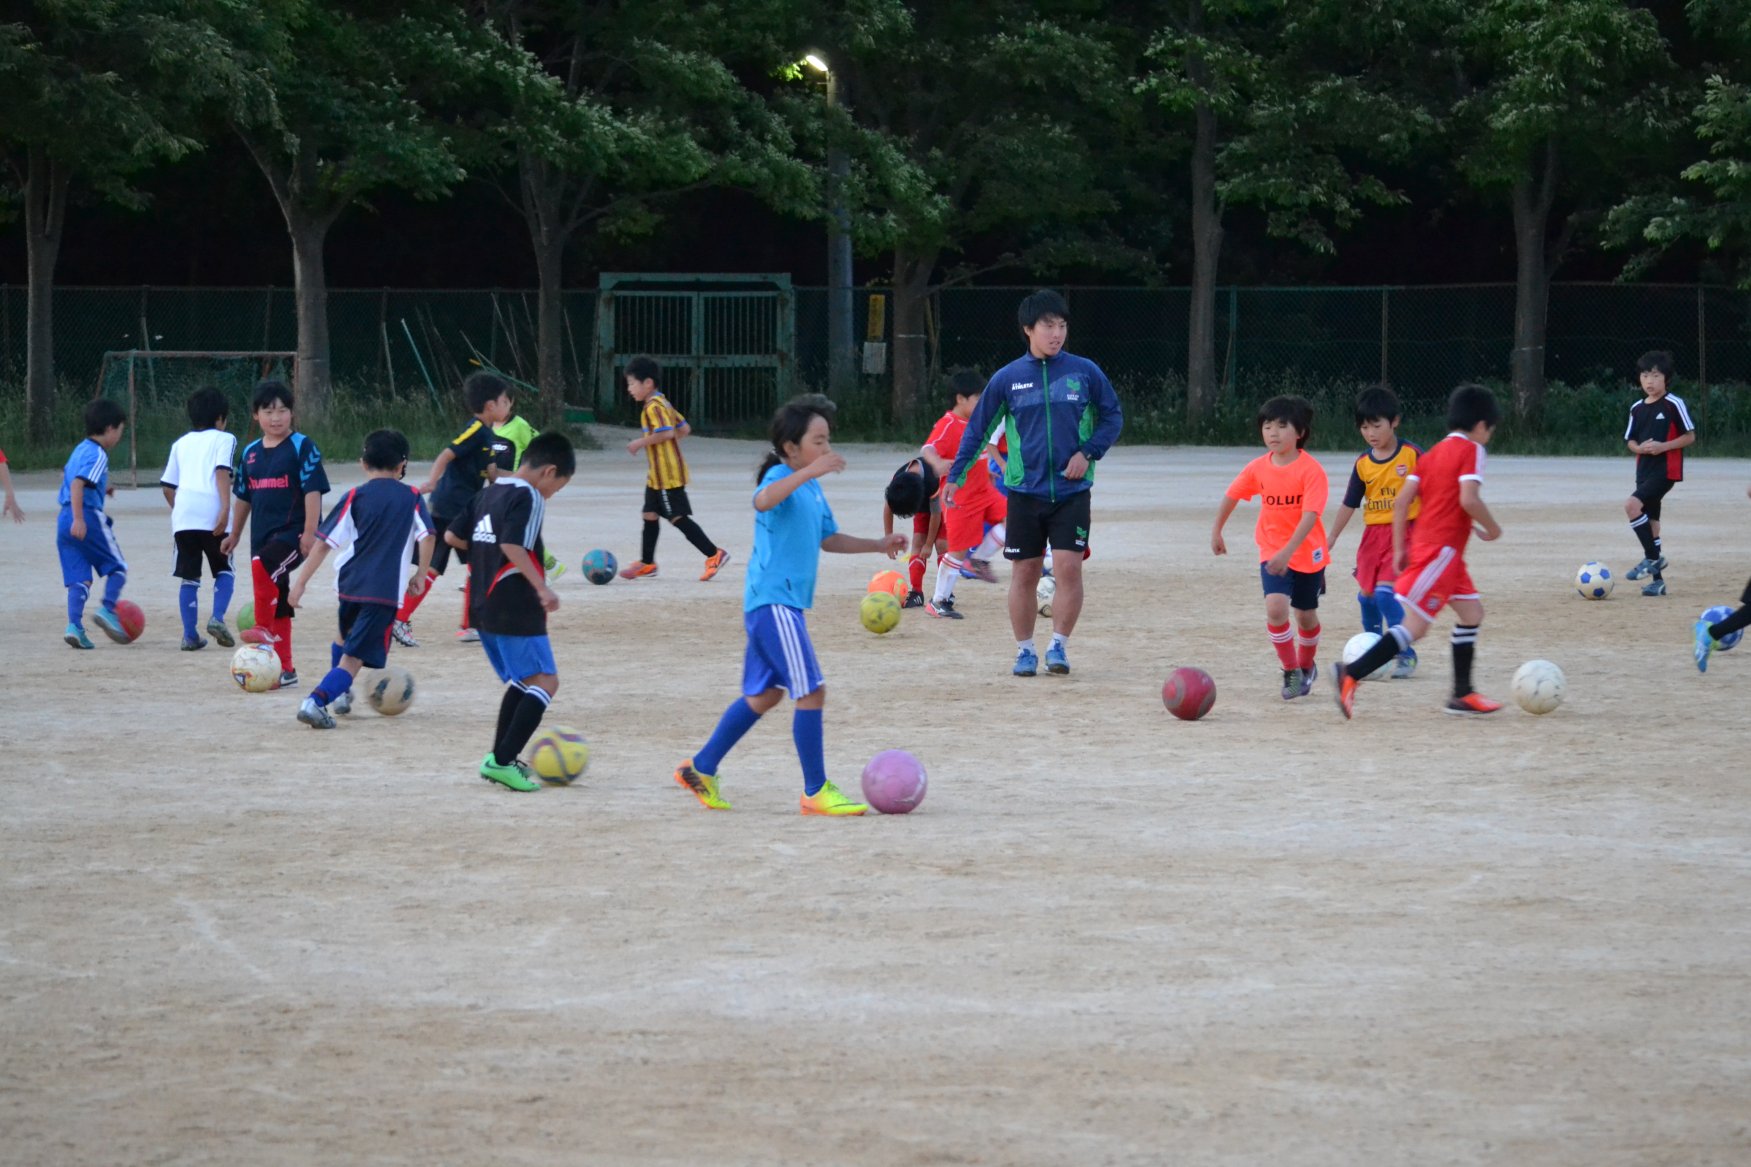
(508, 706)
(647, 548)
(1464, 649)
(1645, 532)
(1658, 551)
(695, 536)
(525, 720)
(1732, 624)
(1396, 640)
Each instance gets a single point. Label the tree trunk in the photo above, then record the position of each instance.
(549, 334)
(45, 201)
(1533, 196)
(1202, 378)
(309, 233)
(912, 273)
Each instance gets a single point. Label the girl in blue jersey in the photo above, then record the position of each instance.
(792, 526)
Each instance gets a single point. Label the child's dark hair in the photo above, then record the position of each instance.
(269, 393)
(907, 493)
(1042, 303)
(1655, 361)
(790, 425)
(551, 449)
(964, 383)
(1377, 403)
(207, 407)
(101, 413)
(481, 388)
(1295, 411)
(643, 368)
(385, 450)
(1470, 404)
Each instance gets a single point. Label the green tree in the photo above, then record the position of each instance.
(92, 92)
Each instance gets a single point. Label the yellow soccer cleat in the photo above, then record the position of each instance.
(829, 801)
(701, 786)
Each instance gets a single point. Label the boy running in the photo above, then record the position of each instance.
(1431, 559)
(84, 534)
(665, 480)
(1375, 480)
(197, 485)
(1290, 484)
(1659, 429)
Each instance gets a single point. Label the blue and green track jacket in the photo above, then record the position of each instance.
(1049, 409)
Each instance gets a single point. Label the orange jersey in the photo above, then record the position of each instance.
(668, 469)
(1286, 493)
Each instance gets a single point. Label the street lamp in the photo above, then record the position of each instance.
(841, 364)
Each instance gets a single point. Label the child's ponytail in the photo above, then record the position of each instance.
(789, 426)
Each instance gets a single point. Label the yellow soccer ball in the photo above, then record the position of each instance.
(559, 755)
(880, 612)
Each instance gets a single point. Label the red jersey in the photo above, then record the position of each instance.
(945, 439)
(1439, 474)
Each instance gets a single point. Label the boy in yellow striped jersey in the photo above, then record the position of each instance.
(1379, 474)
(665, 482)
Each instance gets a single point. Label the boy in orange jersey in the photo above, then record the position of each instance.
(1375, 481)
(1431, 559)
(1291, 485)
(665, 481)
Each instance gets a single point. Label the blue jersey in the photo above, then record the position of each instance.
(1050, 410)
(375, 528)
(89, 461)
(273, 480)
(787, 545)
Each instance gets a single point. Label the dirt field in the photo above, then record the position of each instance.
(1107, 937)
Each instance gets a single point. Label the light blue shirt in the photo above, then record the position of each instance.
(90, 461)
(787, 545)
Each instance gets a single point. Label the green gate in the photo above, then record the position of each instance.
(727, 343)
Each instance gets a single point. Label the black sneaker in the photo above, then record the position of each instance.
(1655, 588)
(914, 600)
(1646, 567)
(943, 609)
(1291, 684)
(288, 679)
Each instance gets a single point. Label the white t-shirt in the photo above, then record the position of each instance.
(192, 468)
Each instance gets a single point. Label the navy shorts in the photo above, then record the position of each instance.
(517, 658)
(1302, 587)
(98, 551)
(364, 632)
(779, 655)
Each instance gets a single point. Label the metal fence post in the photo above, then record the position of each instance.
(1385, 335)
(1702, 349)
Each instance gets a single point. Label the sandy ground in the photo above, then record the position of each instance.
(1106, 937)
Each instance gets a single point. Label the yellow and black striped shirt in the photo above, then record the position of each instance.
(668, 469)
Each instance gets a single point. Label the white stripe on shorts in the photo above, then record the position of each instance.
(1430, 575)
(794, 662)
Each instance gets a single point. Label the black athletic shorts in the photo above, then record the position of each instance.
(280, 561)
(1034, 522)
(194, 546)
(668, 503)
(364, 632)
(441, 549)
(1651, 491)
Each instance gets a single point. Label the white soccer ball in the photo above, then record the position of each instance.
(255, 668)
(1539, 686)
(1044, 593)
(1594, 581)
(1359, 644)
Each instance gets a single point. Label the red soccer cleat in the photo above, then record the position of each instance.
(1472, 705)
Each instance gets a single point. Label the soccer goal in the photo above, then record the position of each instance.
(155, 385)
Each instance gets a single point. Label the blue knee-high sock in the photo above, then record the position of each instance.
(337, 681)
(113, 583)
(77, 594)
(1370, 613)
(222, 588)
(190, 605)
(805, 730)
(1391, 610)
(335, 652)
(737, 720)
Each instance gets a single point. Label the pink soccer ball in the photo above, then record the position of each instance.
(894, 782)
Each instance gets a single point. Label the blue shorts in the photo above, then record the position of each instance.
(1302, 587)
(364, 632)
(779, 654)
(98, 551)
(517, 658)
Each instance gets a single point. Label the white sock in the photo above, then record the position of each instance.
(1058, 639)
(1025, 645)
(992, 544)
(945, 581)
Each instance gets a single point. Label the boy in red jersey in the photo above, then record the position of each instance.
(973, 524)
(1291, 486)
(1431, 561)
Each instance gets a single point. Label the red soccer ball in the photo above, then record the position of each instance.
(1189, 693)
(132, 620)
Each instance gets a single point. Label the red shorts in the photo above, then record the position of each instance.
(921, 520)
(1374, 557)
(964, 520)
(1437, 576)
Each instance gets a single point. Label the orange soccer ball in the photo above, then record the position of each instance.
(891, 582)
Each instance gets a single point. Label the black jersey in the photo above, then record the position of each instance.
(500, 598)
(1658, 420)
(273, 480)
(474, 452)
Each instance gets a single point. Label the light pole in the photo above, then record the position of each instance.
(841, 359)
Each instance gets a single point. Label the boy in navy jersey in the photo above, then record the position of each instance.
(376, 528)
(500, 527)
(84, 535)
(469, 462)
(281, 480)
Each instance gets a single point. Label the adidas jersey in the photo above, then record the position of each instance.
(1658, 419)
(501, 599)
(1374, 484)
(375, 527)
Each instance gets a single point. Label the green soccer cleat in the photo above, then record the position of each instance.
(510, 777)
(830, 801)
(217, 630)
(700, 785)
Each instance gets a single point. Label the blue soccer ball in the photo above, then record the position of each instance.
(600, 566)
(1715, 615)
(1594, 581)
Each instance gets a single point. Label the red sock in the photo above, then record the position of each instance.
(410, 604)
(467, 595)
(915, 571)
(1307, 641)
(265, 594)
(1284, 642)
(282, 630)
